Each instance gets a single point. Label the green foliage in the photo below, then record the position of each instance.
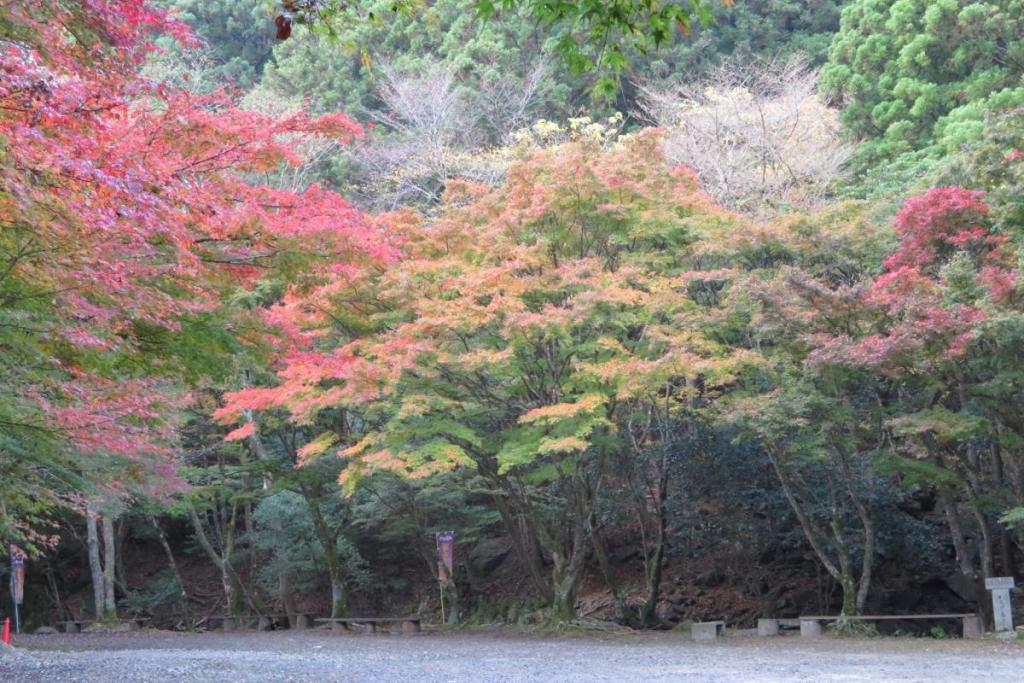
(286, 538)
(852, 629)
(160, 592)
(745, 31)
(343, 73)
(917, 74)
(238, 37)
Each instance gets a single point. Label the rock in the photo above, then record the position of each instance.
(624, 554)
(710, 579)
(488, 554)
(9, 651)
(45, 631)
(682, 600)
(962, 586)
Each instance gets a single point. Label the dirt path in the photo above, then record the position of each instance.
(318, 657)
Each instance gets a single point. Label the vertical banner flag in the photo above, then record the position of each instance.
(446, 555)
(17, 574)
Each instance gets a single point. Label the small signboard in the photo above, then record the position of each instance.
(997, 583)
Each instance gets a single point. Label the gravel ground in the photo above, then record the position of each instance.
(491, 657)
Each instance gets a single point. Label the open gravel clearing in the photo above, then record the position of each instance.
(490, 657)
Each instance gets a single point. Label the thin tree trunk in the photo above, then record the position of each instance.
(868, 524)
(569, 563)
(220, 560)
(956, 532)
(95, 567)
(173, 564)
(811, 533)
(109, 564)
(601, 554)
(121, 534)
(329, 543)
(526, 545)
(656, 563)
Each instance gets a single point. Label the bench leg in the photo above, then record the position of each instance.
(134, 625)
(767, 627)
(72, 627)
(410, 627)
(229, 624)
(301, 622)
(264, 623)
(810, 628)
(371, 628)
(972, 627)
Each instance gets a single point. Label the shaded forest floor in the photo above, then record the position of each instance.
(501, 655)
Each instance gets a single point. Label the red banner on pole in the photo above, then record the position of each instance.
(18, 558)
(446, 554)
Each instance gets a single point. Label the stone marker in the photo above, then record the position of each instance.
(767, 627)
(1001, 608)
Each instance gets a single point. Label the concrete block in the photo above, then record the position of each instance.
(972, 627)
(767, 627)
(707, 630)
(810, 628)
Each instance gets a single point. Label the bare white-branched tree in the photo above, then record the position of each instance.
(759, 135)
(431, 130)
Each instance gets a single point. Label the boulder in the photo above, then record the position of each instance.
(962, 586)
(45, 631)
(9, 651)
(489, 553)
(710, 579)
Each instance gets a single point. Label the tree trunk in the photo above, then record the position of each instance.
(524, 541)
(453, 612)
(109, 565)
(220, 560)
(566, 577)
(567, 573)
(173, 564)
(601, 554)
(868, 525)
(95, 568)
(339, 594)
(648, 611)
(956, 532)
(335, 569)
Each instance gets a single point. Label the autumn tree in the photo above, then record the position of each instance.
(127, 210)
(758, 135)
(521, 323)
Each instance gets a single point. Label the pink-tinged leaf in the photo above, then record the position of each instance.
(243, 432)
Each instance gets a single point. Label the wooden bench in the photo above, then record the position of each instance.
(771, 627)
(76, 625)
(299, 621)
(706, 630)
(810, 627)
(410, 625)
(260, 622)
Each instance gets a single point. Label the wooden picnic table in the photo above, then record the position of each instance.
(410, 625)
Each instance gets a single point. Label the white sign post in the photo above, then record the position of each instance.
(1001, 610)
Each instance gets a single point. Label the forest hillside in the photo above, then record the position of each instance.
(717, 314)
